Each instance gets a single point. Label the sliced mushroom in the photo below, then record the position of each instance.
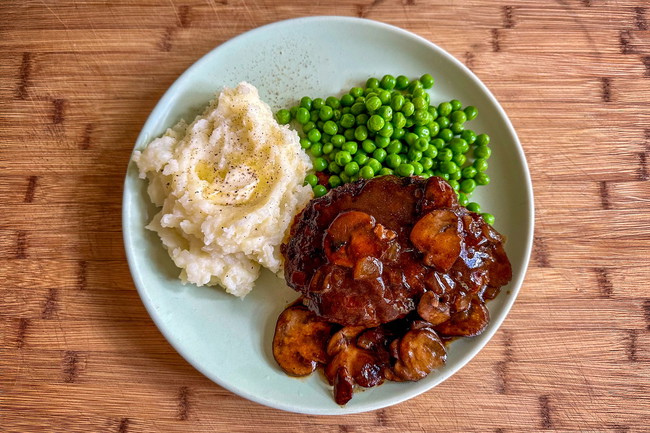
(437, 194)
(350, 237)
(350, 364)
(432, 310)
(468, 323)
(300, 340)
(437, 236)
(418, 353)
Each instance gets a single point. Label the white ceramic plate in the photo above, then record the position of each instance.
(229, 340)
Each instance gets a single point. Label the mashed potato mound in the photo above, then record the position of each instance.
(229, 185)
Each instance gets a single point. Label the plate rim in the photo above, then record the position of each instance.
(164, 105)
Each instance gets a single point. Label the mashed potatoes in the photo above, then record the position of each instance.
(229, 186)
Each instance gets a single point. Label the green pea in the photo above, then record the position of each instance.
(333, 101)
(293, 110)
(348, 134)
(457, 128)
(283, 116)
(408, 109)
(471, 112)
(314, 115)
(357, 108)
(433, 111)
(387, 130)
(302, 115)
(311, 179)
(344, 177)
(372, 83)
(368, 146)
(473, 206)
(381, 141)
(462, 199)
(351, 147)
(362, 119)
(373, 103)
(305, 143)
(448, 167)
(397, 102)
(384, 97)
(379, 154)
(458, 145)
(421, 117)
(420, 103)
(445, 135)
(306, 102)
(430, 152)
(385, 112)
(398, 133)
(356, 92)
(468, 185)
(374, 164)
(415, 84)
(317, 103)
(458, 116)
(402, 82)
(387, 82)
(316, 149)
(342, 157)
(361, 158)
(328, 148)
(376, 122)
(455, 175)
(459, 159)
(482, 179)
(395, 146)
(347, 100)
(337, 140)
(488, 218)
(421, 144)
(480, 164)
(445, 154)
(443, 122)
(347, 120)
(468, 135)
(393, 160)
(330, 127)
(325, 113)
(405, 170)
(433, 128)
(385, 171)
(361, 133)
(437, 143)
(454, 184)
(351, 168)
(469, 172)
(444, 109)
(427, 81)
(426, 162)
(455, 105)
(334, 181)
(482, 140)
(482, 152)
(414, 155)
(320, 190)
(366, 172)
(333, 167)
(417, 168)
(314, 135)
(411, 138)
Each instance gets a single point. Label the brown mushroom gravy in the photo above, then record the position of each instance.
(388, 269)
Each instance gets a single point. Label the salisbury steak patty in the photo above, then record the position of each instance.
(365, 253)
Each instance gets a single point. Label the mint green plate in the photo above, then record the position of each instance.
(228, 339)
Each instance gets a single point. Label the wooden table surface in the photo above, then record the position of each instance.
(78, 352)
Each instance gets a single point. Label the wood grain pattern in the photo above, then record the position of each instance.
(78, 352)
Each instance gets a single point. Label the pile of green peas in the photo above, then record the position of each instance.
(391, 127)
